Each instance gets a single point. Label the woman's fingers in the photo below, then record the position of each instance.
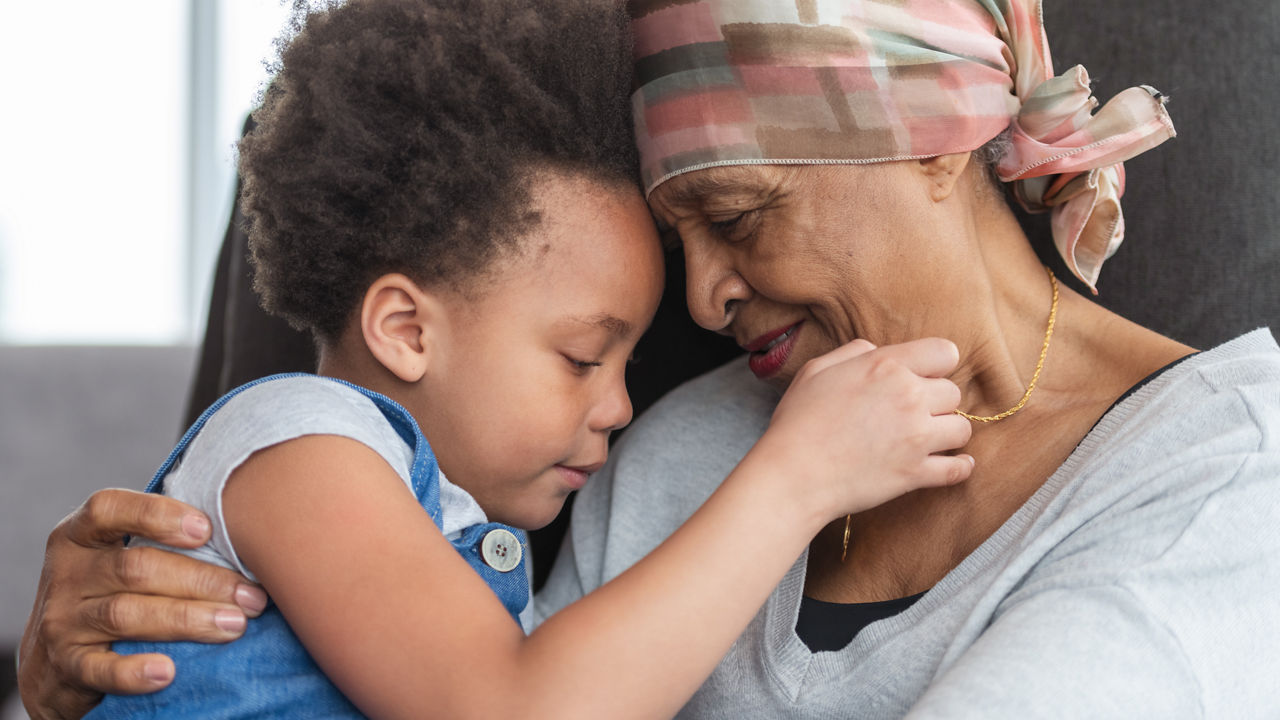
(152, 571)
(93, 591)
(84, 551)
(109, 515)
(159, 619)
(107, 672)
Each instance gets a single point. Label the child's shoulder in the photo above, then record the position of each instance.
(294, 398)
(264, 414)
(279, 409)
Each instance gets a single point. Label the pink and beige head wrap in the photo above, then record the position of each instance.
(734, 82)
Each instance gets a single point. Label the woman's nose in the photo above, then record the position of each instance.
(713, 288)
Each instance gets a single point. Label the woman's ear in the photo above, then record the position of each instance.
(401, 325)
(943, 172)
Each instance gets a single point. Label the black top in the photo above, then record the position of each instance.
(831, 626)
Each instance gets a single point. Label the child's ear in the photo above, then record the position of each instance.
(400, 323)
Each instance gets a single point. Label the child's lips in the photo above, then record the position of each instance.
(576, 477)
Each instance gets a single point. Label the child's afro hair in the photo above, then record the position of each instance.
(400, 136)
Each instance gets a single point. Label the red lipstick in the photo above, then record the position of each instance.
(770, 351)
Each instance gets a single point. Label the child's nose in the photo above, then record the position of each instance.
(614, 409)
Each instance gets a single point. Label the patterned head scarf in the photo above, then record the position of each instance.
(734, 82)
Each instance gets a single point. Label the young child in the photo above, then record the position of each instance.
(444, 193)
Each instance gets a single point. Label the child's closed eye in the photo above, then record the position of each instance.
(582, 366)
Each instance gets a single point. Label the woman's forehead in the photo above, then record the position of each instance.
(729, 183)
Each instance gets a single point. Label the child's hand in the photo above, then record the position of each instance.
(862, 425)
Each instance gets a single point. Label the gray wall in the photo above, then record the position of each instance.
(72, 420)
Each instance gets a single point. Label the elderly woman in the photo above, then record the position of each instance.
(832, 172)
(828, 169)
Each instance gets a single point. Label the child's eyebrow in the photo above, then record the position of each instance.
(612, 323)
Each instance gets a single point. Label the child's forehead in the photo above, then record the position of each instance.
(549, 186)
(566, 208)
(593, 255)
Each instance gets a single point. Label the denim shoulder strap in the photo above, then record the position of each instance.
(424, 475)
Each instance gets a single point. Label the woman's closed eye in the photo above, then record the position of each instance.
(736, 228)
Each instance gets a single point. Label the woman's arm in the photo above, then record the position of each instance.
(404, 627)
(94, 591)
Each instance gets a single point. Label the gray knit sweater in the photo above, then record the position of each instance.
(1141, 581)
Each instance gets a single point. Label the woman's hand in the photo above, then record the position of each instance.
(94, 591)
(862, 425)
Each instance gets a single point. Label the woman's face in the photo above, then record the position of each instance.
(793, 261)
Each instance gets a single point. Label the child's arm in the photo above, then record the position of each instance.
(406, 629)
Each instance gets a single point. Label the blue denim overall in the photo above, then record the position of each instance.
(268, 673)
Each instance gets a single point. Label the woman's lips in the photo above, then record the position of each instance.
(770, 351)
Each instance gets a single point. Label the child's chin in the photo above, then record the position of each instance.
(533, 516)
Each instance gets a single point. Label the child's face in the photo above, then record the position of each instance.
(528, 381)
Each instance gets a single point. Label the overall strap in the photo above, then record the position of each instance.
(424, 473)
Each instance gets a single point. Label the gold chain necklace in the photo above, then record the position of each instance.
(1048, 335)
(1044, 350)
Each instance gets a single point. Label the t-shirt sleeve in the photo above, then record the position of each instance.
(269, 414)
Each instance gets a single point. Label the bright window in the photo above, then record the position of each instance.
(117, 126)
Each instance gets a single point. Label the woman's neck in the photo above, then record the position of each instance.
(906, 546)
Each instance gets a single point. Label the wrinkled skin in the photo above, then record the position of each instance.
(92, 588)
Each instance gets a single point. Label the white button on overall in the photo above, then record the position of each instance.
(501, 550)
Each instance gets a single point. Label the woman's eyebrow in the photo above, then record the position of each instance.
(693, 188)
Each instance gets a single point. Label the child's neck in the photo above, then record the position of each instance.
(356, 365)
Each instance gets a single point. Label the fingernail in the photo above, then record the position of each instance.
(195, 526)
(972, 462)
(229, 620)
(157, 673)
(251, 598)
